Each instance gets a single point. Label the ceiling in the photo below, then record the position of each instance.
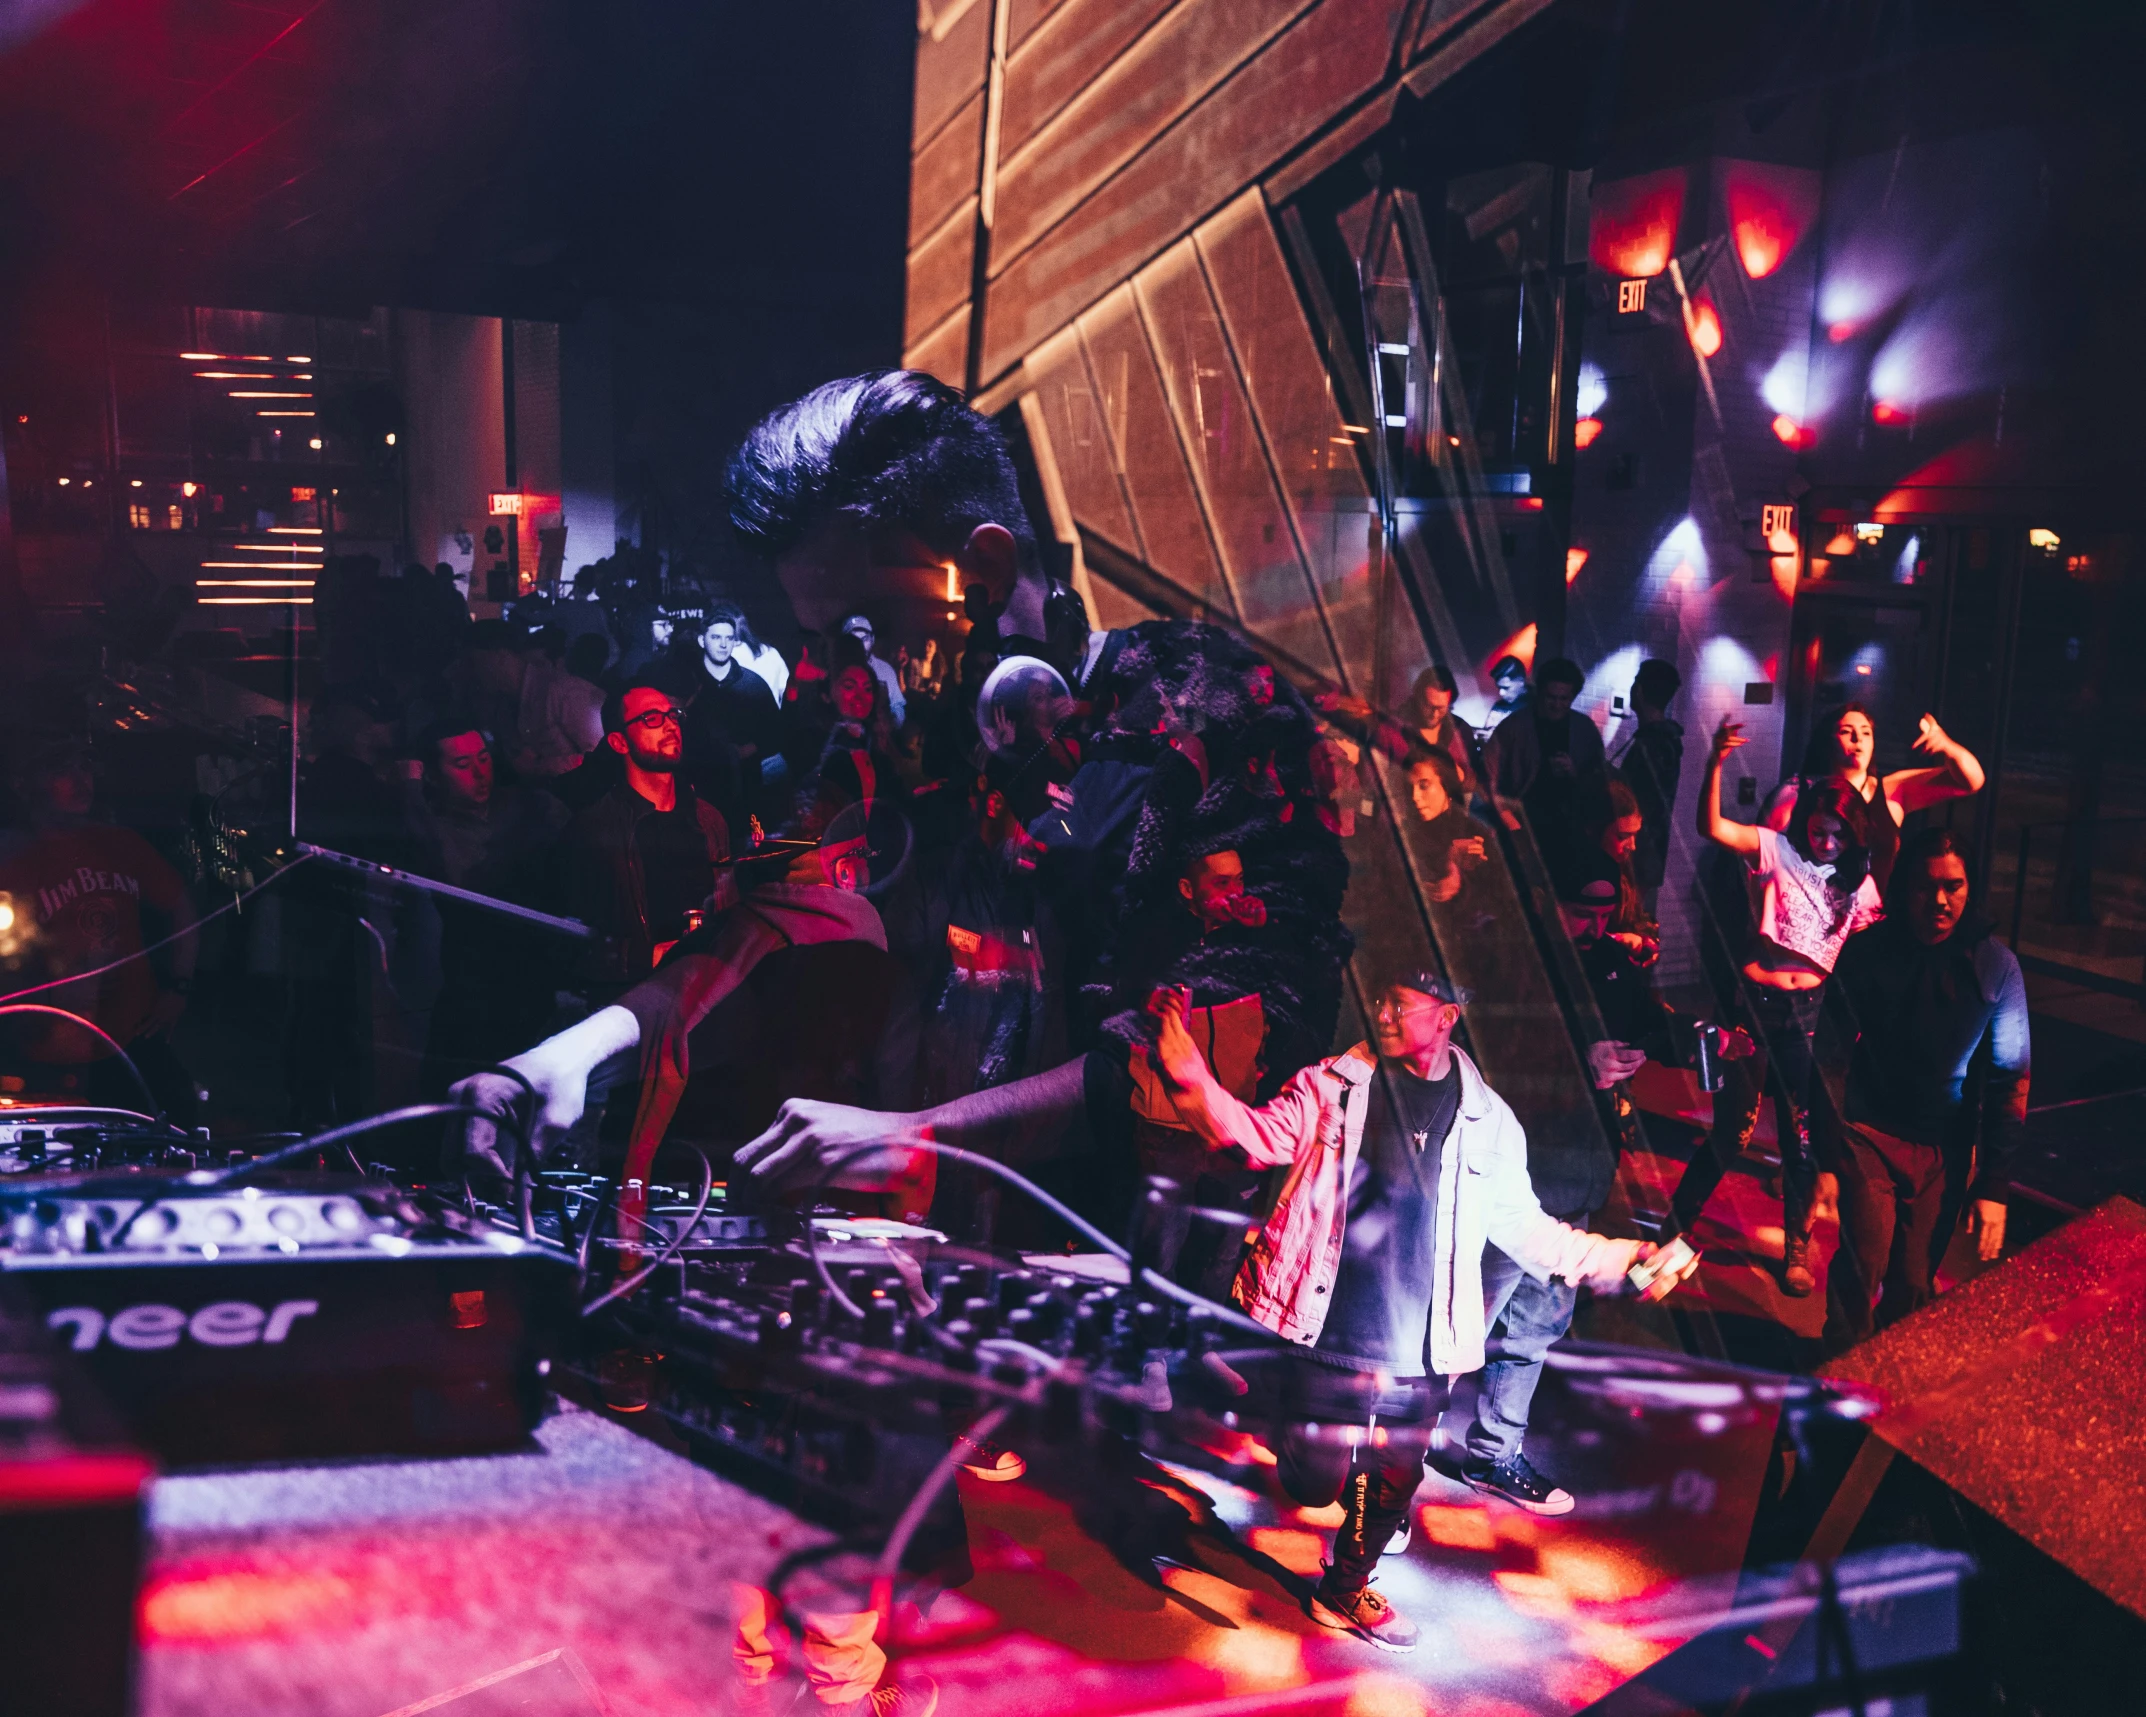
(492, 156)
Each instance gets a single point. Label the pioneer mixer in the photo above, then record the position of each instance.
(299, 1315)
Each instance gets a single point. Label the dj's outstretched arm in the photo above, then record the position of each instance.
(558, 1071)
(1019, 1123)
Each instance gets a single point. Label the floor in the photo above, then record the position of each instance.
(602, 1569)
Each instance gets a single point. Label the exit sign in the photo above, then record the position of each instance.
(506, 506)
(1777, 520)
(1631, 297)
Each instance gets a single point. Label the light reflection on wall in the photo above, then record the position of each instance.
(1680, 558)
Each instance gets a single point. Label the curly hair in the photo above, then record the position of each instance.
(887, 447)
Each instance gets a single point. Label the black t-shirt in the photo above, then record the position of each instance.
(1380, 1319)
(676, 872)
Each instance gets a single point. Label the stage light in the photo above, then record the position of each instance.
(1840, 333)
(391, 438)
(189, 490)
(1593, 392)
(1887, 412)
(314, 444)
(89, 482)
(1862, 667)
(64, 481)
(1575, 558)
(1585, 431)
(265, 393)
(1632, 228)
(202, 357)
(1770, 209)
(953, 582)
(2039, 537)
(135, 483)
(297, 360)
(235, 376)
(1784, 428)
(1703, 323)
(1841, 543)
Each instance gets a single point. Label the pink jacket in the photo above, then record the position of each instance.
(1315, 1124)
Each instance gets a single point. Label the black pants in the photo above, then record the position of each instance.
(1374, 1477)
(1781, 1022)
(1895, 1201)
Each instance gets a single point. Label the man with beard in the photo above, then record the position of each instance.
(642, 856)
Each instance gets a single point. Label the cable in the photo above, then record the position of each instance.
(231, 905)
(890, 1558)
(155, 1110)
(619, 1290)
(203, 1180)
(524, 1164)
(1079, 1224)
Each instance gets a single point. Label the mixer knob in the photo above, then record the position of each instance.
(1013, 1288)
(981, 1313)
(879, 1323)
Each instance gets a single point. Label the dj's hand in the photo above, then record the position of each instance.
(560, 1101)
(826, 1144)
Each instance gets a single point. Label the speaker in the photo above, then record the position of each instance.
(2008, 1423)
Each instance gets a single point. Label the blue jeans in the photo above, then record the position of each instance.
(1536, 1315)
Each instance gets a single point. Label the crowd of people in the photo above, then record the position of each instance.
(1075, 900)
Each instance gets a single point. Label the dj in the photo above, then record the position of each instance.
(858, 488)
(1372, 1258)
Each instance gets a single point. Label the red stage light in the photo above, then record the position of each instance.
(1794, 434)
(1770, 209)
(1632, 229)
(1575, 558)
(1585, 431)
(1885, 411)
(1703, 323)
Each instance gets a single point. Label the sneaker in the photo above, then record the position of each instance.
(1518, 1482)
(917, 1698)
(993, 1463)
(1796, 1278)
(1399, 1541)
(1366, 1614)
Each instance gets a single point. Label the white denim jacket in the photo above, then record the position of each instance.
(1315, 1124)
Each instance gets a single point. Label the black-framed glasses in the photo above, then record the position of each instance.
(649, 720)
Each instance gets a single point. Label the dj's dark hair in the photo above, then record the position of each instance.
(1507, 666)
(891, 447)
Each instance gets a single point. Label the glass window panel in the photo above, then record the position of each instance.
(1214, 418)
(1080, 446)
(1314, 454)
(1166, 509)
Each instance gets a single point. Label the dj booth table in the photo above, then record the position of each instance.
(594, 1571)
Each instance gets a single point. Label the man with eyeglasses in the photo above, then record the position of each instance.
(859, 627)
(642, 856)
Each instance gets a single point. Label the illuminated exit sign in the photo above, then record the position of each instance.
(1776, 521)
(507, 506)
(1631, 297)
